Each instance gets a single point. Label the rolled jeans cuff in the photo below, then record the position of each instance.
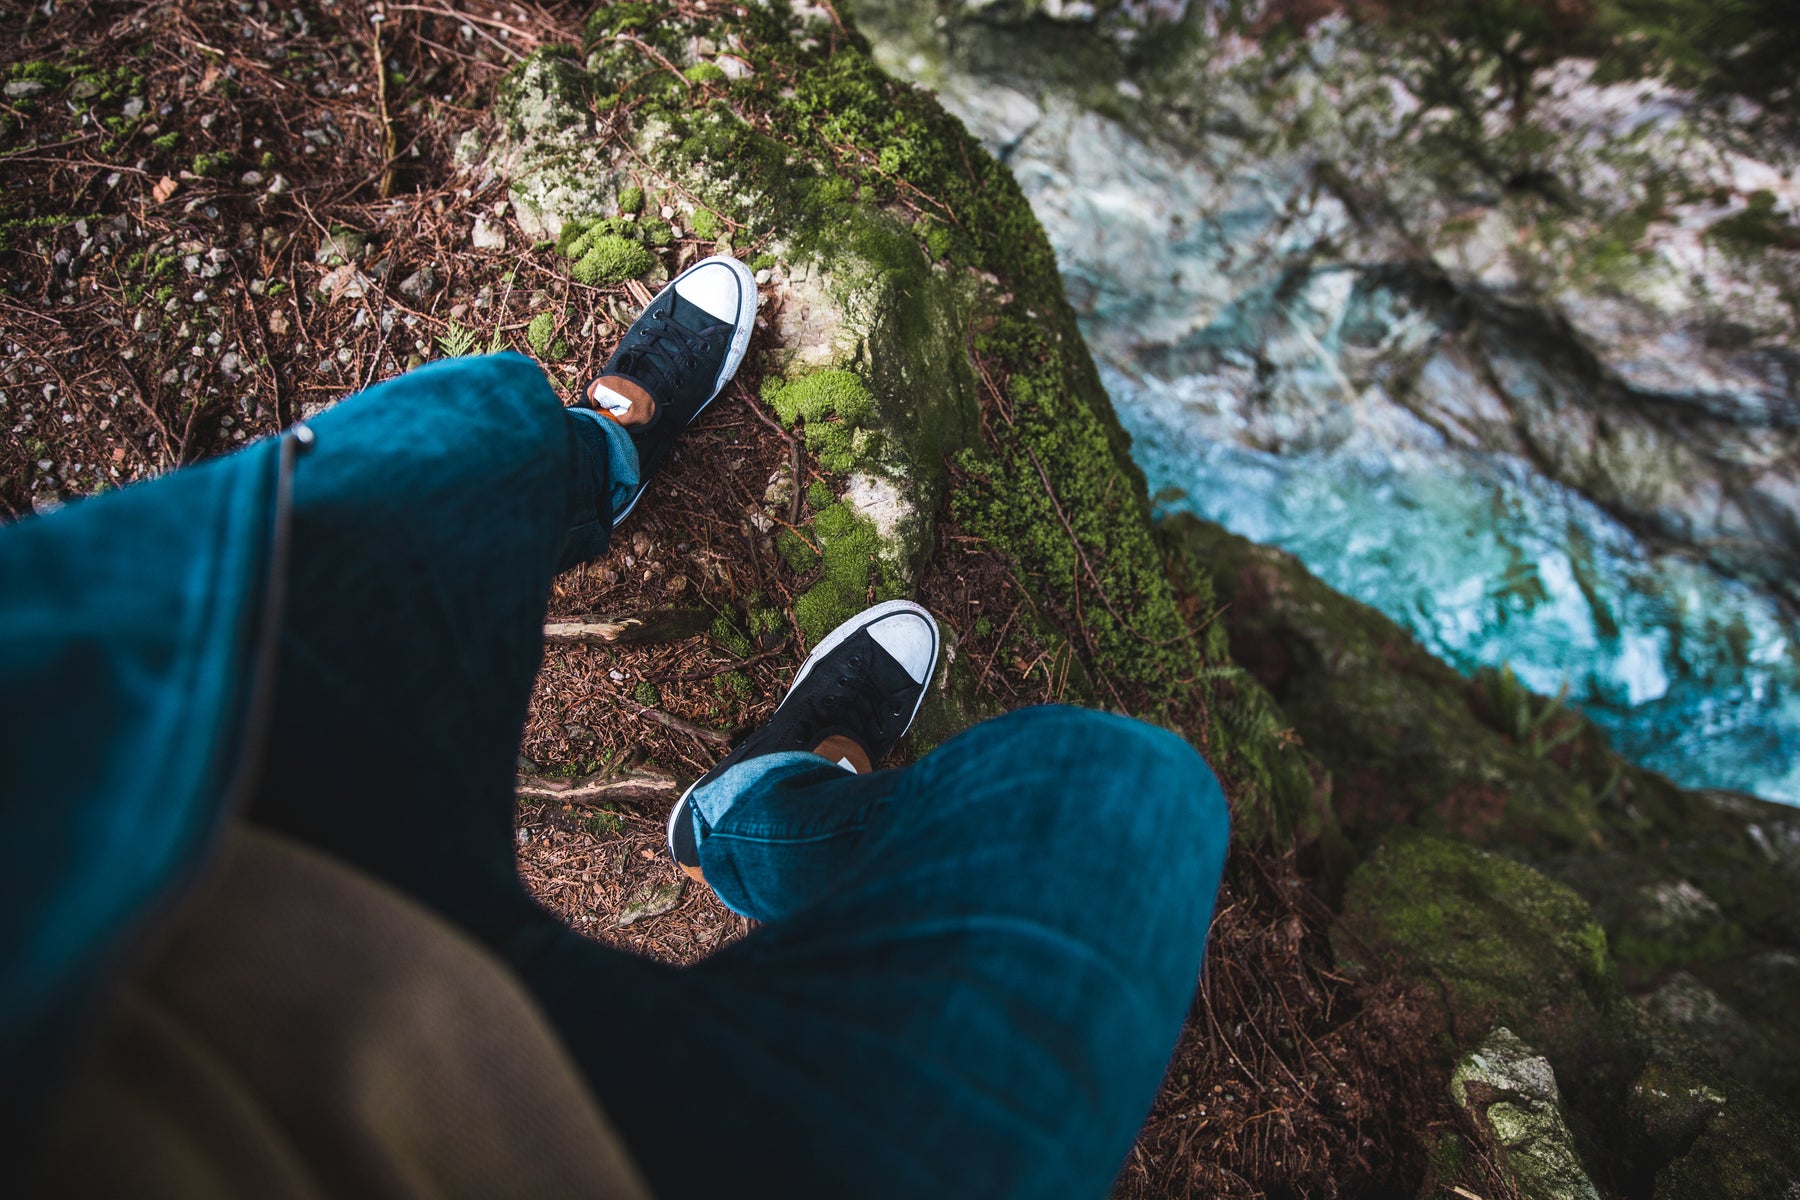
(711, 802)
(607, 439)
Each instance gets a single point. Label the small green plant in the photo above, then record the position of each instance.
(631, 199)
(167, 142)
(456, 341)
(706, 72)
(706, 224)
(646, 693)
(1524, 717)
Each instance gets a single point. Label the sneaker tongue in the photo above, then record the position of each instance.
(691, 316)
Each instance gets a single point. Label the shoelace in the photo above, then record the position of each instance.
(849, 702)
(660, 359)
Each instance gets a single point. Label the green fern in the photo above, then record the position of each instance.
(457, 341)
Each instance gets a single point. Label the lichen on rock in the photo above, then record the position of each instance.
(1509, 1092)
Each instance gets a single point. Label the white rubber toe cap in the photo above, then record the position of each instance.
(911, 639)
(715, 289)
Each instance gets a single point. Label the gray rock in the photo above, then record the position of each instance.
(654, 901)
(1510, 1093)
(23, 89)
(133, 108)
(420, 284)
(487, 236)
(340, 246)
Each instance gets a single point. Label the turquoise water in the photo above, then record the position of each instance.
(1488, 563)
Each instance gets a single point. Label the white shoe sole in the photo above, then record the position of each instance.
(748, 299)
(827, 644)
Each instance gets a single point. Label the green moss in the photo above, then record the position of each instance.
(726, 633)
(646, 693)
(706, 224)
(51, 75)
(167, 142)
(937, 238)
(609, 259)
(214, 165)
(1511, 945)
(706, 72)
(836, 406)
(763, 262)
(602, 823)
(818, 397)
(798, 553)
(658, 232)
(732, 685)
(631, 199)
(19, 226)
(539, 332)
(611, 19)
(853, 574)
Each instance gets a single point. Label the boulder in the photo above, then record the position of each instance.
(1508, 1092)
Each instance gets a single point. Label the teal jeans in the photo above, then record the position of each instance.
(971, 971)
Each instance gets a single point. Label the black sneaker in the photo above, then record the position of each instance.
(855, 696)
(683, 350)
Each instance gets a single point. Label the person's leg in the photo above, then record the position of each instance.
(974, 973)
(429, 519)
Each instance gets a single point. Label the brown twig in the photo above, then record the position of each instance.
(714, 736)
(389, 144)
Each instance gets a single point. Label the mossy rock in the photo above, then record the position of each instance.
(1508, 945)
(1492, 941)
(1716, 1147)
(1509, 1094)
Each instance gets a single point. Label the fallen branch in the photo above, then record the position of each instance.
(667, 625)
(606, 787)
(714, 736)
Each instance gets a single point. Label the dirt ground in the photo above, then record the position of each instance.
(221, 216)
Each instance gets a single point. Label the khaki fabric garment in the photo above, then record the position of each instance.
(301, 1030)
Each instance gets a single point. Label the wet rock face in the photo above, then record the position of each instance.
(1357, 295)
